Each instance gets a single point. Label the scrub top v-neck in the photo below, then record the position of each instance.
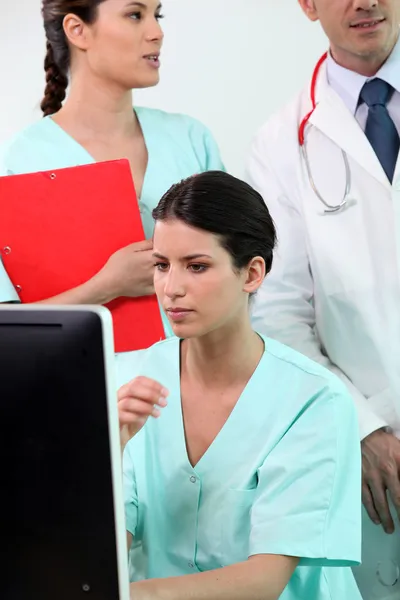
(270, 483)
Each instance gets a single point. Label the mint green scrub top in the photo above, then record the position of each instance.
(276, 479)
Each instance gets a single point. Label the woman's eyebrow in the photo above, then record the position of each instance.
(188, 257)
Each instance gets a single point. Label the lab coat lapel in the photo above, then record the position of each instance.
(334, 120)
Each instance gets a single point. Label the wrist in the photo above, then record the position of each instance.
(145, 590)
(375, 433)
(101, 289)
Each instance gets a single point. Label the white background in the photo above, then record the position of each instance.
(229, 63)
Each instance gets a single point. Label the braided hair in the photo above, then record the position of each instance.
(57, 60)
(56, 84)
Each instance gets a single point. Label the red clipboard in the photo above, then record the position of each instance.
(58, 229)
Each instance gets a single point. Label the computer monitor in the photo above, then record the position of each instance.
(62, 526)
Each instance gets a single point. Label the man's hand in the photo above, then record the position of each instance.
(381, 467)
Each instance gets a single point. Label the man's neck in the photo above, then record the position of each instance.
(368, 66)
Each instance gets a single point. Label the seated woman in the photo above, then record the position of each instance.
(236, 489)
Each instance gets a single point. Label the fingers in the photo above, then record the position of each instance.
(393, 488)
(381, 505)
(144, 245)
(144, 389)
(380, 459)
(137, 401)
(368, 502)
(132, 409)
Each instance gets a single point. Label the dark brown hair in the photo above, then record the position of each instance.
(57, 61)
(226, 206)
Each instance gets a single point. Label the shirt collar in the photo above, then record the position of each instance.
(348, 84)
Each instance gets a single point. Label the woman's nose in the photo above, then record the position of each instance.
(174, 285)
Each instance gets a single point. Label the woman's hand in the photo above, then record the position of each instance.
(137, 401)
(129, 272)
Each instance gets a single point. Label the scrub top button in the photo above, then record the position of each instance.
(193, 479)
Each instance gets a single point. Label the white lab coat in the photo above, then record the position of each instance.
(334, 289)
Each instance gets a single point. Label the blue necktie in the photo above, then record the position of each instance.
(380, 129)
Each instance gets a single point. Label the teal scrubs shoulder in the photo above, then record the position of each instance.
(276, 480)
(178, 146)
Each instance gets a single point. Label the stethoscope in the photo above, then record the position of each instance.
(329, 208)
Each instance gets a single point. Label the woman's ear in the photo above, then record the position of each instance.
(75, 31)
(255, 275)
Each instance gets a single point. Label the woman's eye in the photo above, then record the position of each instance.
(137, 16)
(161, 266)
(198, 268)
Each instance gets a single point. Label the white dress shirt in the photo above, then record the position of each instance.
(348, 84)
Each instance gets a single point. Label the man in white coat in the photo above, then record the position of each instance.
(331, 180)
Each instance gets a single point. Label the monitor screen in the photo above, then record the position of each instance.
(61, 517)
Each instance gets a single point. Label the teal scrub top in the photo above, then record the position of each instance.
(276, 479)
(178, 146)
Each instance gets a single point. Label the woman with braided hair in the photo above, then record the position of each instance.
(101, 50)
